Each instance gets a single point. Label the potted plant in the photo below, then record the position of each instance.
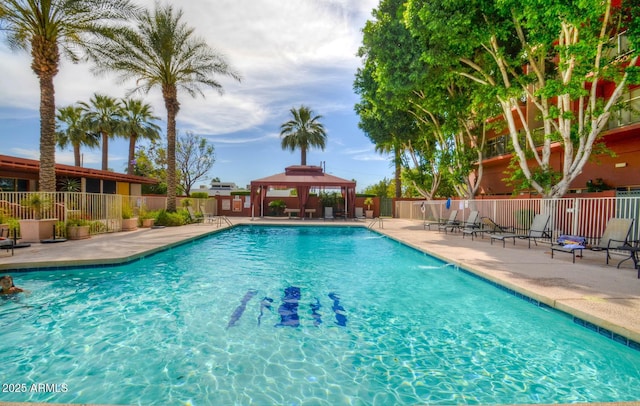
(277, 207)
(129, 222)
(146, 218)
(37, 229)
(77, 229)
(368, 202)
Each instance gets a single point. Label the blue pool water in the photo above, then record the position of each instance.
(356, 318)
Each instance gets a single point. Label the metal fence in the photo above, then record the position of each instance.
(586, 217)
(103, 212)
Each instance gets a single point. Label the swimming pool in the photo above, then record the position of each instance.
(393, 326)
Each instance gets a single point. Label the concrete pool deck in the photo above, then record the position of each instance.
(589, 289)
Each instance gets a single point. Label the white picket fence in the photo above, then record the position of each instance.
(586, 217)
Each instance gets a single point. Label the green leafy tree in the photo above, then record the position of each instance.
(557, 55)
(303, 131)
(103, 115)
(194, 157)
(72, 130)
(137, 123)
(45, 28)
(384, 188)
(151, 162)
(406, 102)
(162, 51)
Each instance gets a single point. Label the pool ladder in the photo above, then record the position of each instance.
(218, 220)
(378, 220)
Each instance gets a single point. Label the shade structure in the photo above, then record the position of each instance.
(302, 178)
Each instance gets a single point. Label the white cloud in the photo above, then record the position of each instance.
(288, 52)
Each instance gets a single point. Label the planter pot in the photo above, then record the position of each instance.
(129, 224)
(146, 223)
(78, 232)
(368, 214)
(37, 230)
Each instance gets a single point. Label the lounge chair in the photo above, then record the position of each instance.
(472, 223)
(360, 213)
(6, 243)
(451, 221)
(454, 224)
(207, 217)
(193, 217)
(539, 229)
(616, 234)
(487, 226)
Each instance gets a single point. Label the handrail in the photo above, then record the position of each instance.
(225, 219)
(378, 220)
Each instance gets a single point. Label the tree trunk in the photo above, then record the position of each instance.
(47, 135)
(398, 171)
(303, 156)
(76, 155)
(105, 151)
(170, 94)
(45, 59)
(132, 153)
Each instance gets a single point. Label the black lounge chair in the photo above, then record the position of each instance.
(487, 226)
(443, 222)
(472, 223)
(539, 230)
(616, 234)
(6, 243)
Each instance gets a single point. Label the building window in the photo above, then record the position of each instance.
(14, 185)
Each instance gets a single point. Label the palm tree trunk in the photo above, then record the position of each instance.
(170, 94)
(132, 153)
(76, 154)
(47, 134)
(303, 156)
(45, 59)
(105, 151)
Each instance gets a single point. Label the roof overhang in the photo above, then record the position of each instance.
(17, 165)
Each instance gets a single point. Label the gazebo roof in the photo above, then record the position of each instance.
(299, 175)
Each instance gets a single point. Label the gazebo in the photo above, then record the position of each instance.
(302, 178)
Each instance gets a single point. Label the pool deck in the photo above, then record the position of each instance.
(595, 292)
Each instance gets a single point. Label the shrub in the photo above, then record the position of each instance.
(170, 219)
(200, 195)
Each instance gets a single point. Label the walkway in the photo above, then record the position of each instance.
(601, 294)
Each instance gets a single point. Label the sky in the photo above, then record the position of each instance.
(288, 53)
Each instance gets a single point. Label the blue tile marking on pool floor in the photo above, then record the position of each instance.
(289, 308)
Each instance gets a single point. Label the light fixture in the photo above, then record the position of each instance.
(621, 164)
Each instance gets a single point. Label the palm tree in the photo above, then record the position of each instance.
(163, 52)
(103, 115)
(303, 132)
(137, 122)
(75, 131)
(42, 27)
